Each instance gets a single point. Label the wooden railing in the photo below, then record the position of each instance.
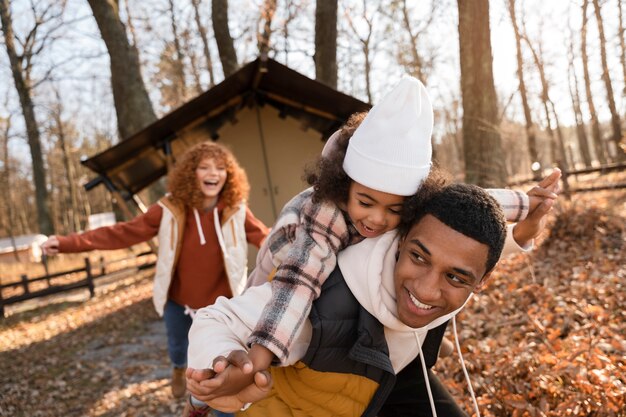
(568, 189)
(86, 280)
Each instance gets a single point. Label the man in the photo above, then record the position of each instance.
(385, 303)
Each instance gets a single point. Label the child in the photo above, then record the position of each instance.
(358, 191)
(203, 227)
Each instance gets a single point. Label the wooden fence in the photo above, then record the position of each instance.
(86, 280)
(566, 177)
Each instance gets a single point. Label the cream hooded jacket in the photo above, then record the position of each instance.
(368, 269)
(231, 236)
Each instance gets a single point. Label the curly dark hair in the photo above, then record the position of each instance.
(183, 185)
(466, 208)
(330, 182)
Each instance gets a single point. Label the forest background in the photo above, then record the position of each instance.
(79, 76)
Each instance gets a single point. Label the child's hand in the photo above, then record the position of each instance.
(50, 246)
(542, 198)
(547, 188)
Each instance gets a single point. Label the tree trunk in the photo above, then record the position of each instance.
(581, 133)
(74, 220)
(595, 123)
(365, 46)
(269, 8)
(622, 46)
(179, 66)
(6, 184)
(530, 128)
(482, 144)
(225, 45)
(559, 154)
(325, 56)
(32, 129)
(132, 103)
(606, 77)
(205, 41)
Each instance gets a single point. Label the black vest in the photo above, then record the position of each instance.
(348, 339)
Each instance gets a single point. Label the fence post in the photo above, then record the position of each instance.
(1, 303)
(103, 269)
(89, 278)
(25, 284)
(564, 178)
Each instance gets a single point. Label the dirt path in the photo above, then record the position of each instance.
(103, 357)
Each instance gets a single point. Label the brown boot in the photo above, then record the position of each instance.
(191, 411)
(179, 383)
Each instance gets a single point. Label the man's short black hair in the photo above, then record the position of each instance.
(466, 208)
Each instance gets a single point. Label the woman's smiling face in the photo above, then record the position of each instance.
(211, 176)
(437, 269)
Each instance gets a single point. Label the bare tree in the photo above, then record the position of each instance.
(595, 123)
(581, 133)
(178, 62)
(530, 128)
(21, 66)
(325, 56)
(205, 41)
(606, 77)
(132, 103)
(267, 15)
(417, 65)
(622, 46)
(59, 130)
(365, 41)
(482, 143)
(225, 44)
(8, 218)
(559, 154)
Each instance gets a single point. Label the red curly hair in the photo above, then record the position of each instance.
(183, 185)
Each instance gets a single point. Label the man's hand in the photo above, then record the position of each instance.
(542, 198)
(50, 246)
(252, 393)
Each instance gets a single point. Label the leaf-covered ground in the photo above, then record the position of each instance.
(547, 337)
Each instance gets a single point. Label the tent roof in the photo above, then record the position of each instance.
(136, 162)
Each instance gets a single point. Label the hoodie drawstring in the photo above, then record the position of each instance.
(425, 371)
(467, 378)
(199, 226)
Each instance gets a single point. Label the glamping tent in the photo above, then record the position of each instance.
(274, 119)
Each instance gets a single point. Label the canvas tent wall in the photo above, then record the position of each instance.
(274, 119)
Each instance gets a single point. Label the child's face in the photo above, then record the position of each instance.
(373, 212)
(211, 177)
(436, 271)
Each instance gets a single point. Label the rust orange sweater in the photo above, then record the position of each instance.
(199, 276)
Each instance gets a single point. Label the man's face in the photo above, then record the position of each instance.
(437, 269)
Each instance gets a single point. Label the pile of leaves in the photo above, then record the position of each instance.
(548, 335)
(546, 338)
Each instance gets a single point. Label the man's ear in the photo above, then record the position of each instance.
(483, 282)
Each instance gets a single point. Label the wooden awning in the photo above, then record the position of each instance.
(141, 159)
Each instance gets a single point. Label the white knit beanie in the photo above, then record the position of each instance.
(391, 149)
